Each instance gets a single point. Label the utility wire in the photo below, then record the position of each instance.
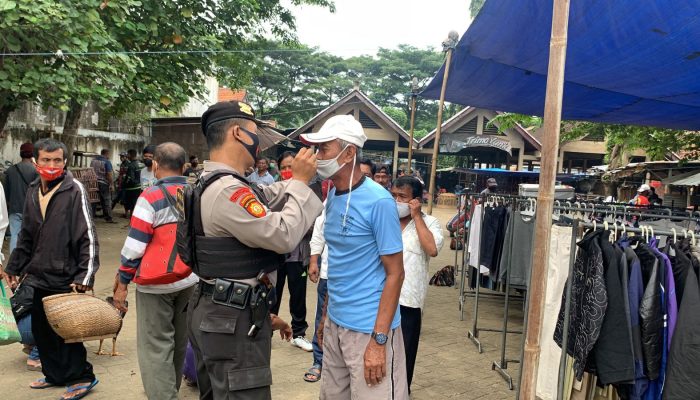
(61, 53)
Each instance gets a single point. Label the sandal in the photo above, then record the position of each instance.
(72, 389)
(313, 374)
(41, 384)
(36, 366)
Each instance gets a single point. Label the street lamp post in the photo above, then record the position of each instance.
(448, 47)
(414, 94)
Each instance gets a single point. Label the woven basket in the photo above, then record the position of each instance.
(79, 317)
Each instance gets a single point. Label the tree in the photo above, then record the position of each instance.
(31, 71)
(129, 55)
(294, 82)
(475, 7)
(386, 79)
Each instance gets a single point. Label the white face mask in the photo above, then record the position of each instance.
(328, 168)
(404, 210)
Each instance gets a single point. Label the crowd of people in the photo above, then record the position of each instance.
(210, 249)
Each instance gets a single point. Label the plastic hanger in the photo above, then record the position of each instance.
(675, 235)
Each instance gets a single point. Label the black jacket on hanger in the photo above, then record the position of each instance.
(589, 301)
(650, 312)
(613, 352)
(682, 381)
(681, 264)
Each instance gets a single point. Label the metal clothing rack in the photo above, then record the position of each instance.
(473, 333)
(501, 365)
(567, 305)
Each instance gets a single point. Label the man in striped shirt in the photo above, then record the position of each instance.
(164, 283)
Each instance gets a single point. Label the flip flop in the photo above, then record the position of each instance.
(87, 388)
(45, 384)
(313, 374)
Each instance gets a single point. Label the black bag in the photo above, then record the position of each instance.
(22, 301)
(189, 216)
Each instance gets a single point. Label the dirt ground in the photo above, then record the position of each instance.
(448, 364)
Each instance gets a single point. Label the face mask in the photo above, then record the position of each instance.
(404, 210)
(49, 173)
(328, 168)
(194, 164)
(286, 174)
(252, 148)
(148, 162)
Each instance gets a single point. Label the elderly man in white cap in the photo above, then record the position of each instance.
(363, 350)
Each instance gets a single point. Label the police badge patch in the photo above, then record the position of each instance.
(251, 204)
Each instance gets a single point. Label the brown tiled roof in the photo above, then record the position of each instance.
(227, 94)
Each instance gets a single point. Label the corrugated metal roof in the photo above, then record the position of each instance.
(692, 180)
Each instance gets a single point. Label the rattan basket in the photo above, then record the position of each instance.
(80, 317)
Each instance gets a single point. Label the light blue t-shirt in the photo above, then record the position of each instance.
(356, 274)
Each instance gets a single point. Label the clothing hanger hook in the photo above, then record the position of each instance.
(651, 229)
(675, 236)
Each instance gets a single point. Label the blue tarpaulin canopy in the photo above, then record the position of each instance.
(628, 61)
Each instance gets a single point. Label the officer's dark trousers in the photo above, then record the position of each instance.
(230, 365)
(295, 274)
(62, 363)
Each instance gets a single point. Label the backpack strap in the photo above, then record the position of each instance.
(205, 181)
(170, 199)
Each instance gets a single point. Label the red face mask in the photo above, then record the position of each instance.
(286, 174)
(49, 173)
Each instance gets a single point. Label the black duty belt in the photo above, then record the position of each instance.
(227, 293)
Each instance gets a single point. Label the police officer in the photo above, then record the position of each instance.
(245, 229)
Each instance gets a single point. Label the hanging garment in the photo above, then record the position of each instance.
(682, 381)
(589, 301)
(651, 315)
(681, 264)
(670, 296)
(519, 261)
(492, 234)
(557, 271)
(635, 290)
(612, 356)
(474, 239)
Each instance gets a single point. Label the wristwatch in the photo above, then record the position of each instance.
(380, 338)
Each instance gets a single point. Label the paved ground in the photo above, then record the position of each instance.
(448, 365)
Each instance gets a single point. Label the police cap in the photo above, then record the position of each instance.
(224, 110)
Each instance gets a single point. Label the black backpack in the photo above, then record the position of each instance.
(189, 224)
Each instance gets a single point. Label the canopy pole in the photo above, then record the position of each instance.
(545, 198)
(448, 47)
(410, 142)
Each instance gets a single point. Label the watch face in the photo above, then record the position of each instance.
(380, 338)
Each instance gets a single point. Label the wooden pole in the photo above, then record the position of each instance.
(410, 142)
(545, 198)
(448, 46)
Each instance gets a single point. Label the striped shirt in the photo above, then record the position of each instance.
(151, 211)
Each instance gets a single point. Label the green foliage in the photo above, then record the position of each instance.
(475, 7)
(621, 139)
(28, 26)
(293, 86)
(132, 53)
(397, 115)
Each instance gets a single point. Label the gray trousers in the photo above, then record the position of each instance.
(105, 201)
(161, 327)
(230, 365)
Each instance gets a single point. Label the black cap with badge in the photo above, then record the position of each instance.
(228, 110)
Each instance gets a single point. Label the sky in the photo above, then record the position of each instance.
(363, 26)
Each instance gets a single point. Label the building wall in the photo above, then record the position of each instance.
(89, 141)
(186, 132)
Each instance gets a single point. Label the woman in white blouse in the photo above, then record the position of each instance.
(422, 239)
